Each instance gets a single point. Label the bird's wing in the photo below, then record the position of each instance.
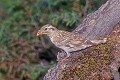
(72, 40)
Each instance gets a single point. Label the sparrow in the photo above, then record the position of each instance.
(67, 41)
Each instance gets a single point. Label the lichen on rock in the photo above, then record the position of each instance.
(89, 64)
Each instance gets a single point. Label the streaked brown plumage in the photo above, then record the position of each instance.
(65, 40)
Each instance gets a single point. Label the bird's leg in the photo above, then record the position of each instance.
(65, 57)
(61, 55)
(68, 54)
(65, 52)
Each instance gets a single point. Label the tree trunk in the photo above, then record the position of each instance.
(100, 62)
(101, 22)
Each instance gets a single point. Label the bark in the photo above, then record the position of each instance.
(101, 22)
(100, 62)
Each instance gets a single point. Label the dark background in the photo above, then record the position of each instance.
(23, 55)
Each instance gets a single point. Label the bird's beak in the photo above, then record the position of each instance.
(40, 33)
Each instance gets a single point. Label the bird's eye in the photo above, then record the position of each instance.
(45, 28)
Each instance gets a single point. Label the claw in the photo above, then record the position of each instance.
(62, 57)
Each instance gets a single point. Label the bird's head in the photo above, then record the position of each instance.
(46, 29)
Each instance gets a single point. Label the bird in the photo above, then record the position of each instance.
(67, 41)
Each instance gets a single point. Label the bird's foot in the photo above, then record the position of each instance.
(62, 57)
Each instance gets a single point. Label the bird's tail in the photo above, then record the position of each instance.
(99, 41)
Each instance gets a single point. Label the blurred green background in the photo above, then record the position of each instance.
(23, 56)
